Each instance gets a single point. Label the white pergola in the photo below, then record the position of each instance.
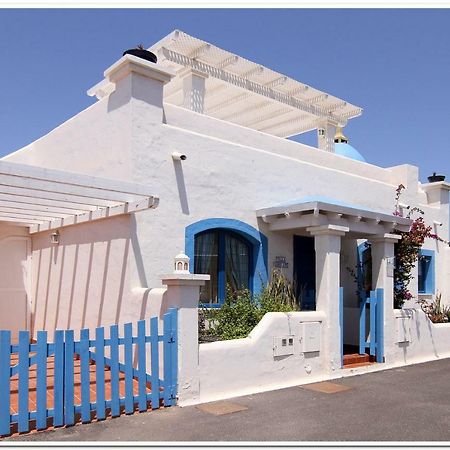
(246, 93)
(217, 83)
(45, 199)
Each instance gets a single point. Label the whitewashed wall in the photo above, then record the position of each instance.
(15, 267)
(230, 171)
(245, 366)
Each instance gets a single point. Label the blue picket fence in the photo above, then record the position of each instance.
(125, 358)
(375, 343)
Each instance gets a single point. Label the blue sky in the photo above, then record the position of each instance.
(393, 63)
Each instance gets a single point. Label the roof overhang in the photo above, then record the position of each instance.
(246, 93)
(299, 215)
(44, 199)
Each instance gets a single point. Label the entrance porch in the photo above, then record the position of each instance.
(334, 231)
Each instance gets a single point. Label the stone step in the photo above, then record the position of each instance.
(356, 358)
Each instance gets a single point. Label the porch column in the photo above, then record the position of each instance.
(327, 243)
(383, 277)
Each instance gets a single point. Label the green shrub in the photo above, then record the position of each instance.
(241, 311)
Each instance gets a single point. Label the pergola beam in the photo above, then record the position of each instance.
(45, 199)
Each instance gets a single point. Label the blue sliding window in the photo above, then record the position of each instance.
(425, 269)
(227, 258)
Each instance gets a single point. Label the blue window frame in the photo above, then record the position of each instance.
(227, 258)
(220, 237)
(425, 269)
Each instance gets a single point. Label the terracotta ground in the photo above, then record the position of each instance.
(77, 386)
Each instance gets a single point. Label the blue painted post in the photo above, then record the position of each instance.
(41, 382)
(142, 370)
(85, 376)
(58, 379)
(24, 382)
(69, 350)
(154, 342)
(115, 393)
(167, 358)
(362, 326)
(100, 372)
(5, 380)
(128, 344)
(341, 322)
(174, 353)
(380, 325)
(372, 322)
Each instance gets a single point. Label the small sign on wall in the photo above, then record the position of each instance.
(280, 262)
(390, 266)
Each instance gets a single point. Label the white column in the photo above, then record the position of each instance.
(325, 136)
(327, 243)
(194, 91)
(183, 293)
(383, 277)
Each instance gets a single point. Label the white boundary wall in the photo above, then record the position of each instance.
(246, 366)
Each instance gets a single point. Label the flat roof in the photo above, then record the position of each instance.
(246, 93)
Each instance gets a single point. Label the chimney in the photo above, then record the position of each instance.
(134, 78)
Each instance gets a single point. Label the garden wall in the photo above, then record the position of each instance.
(418, 339)
(261, 362)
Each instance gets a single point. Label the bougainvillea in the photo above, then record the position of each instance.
(407, 249)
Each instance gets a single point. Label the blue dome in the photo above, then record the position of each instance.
(344, 149)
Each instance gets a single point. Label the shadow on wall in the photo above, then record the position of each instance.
(85, 280)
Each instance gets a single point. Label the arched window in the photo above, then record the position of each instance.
(227, 257)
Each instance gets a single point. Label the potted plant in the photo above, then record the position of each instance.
(141, 52)
(434, 178)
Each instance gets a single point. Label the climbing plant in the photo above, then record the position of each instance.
(407, 249)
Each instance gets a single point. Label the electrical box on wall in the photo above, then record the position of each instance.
(403, 331)
(283, 345)
(310, 337)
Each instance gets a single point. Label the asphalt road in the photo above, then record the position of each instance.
(407, 404)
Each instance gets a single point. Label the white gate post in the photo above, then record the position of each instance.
(183, 293)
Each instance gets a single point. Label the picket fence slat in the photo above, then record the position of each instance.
(142, 369)
(114, 367)
(5, 381)
(128, 344)
(380, 325)
(372, 312)
(24, 381)
(85, 376)
(131, 355)
(174, 353)
(154, 362)
(58, 379)
(69, 351)
(41, 381)
(100, 372)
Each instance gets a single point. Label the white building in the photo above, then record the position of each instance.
(205, 131)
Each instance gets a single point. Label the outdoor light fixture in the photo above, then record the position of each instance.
(54, 237)
(177, 156)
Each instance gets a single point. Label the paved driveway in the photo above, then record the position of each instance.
(407, 404)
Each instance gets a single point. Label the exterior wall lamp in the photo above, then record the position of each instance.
(54, 237)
